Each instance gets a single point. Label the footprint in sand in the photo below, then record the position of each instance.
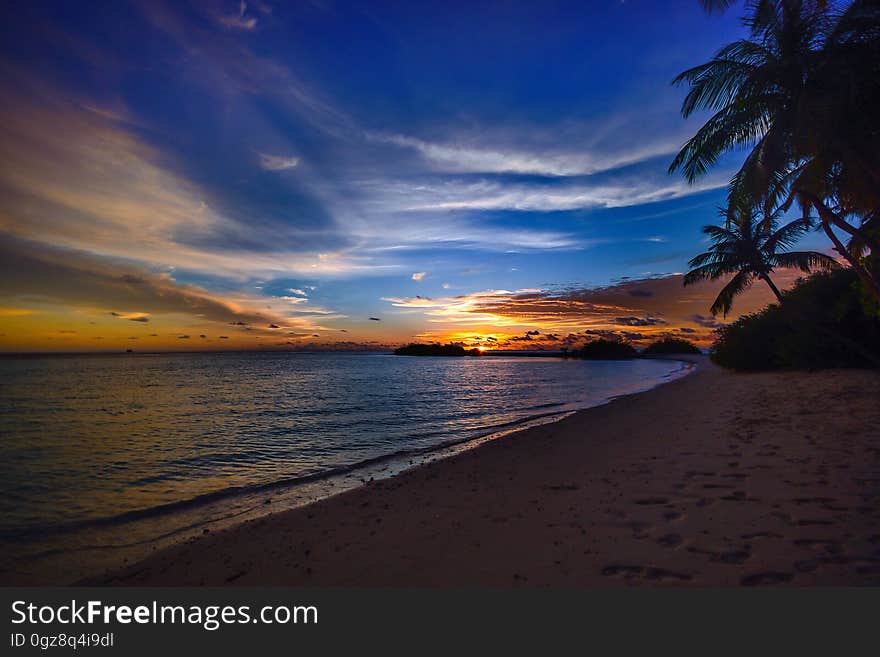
(649, 573)
(735, 557)
(768, 578)
(827, 545)
(650, 501)
(670, 540)
(765, 534)
(814, 500)
(806, 565)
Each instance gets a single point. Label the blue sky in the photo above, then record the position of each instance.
(310, 165)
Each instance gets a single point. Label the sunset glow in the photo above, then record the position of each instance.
(219, 192)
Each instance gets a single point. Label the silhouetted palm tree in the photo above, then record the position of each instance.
(751, 248)
(722, 5)
(802, 92)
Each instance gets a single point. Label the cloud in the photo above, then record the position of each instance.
(238, 21)
(470, 156)
(31, 271)
(277, 163)
(706, 321)
(15, 312)
(419, 275)
(395, 228)
(639, 321)
(651, 304)
(222, 63)
(76, 179)
(535, 197)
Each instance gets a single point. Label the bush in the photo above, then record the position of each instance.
(605, 350)
(671, 346)
(435, 350)
(821, 323)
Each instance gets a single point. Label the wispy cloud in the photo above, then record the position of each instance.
(654, 307)
(241, 20)
(33, 271)
(226, 65)
(469, 156)
(127, 200)
(493, 195)
(238, 22)
(277, 162)
(75, 179)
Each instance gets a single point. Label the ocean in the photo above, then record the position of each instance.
(167, 442)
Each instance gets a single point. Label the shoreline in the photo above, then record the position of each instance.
(110, 543)
(615, 503)
(715, 479)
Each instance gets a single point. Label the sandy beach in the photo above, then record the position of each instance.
(716, 479)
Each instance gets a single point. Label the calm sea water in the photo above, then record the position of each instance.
(91, 438)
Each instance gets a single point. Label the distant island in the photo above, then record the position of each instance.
(593, 350)
(671, 346)
(604, 350)
(417, 349)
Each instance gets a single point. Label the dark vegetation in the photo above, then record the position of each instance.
(417, 349)
(604, 350)
(822, 322)
(670, 346)
(799, 94)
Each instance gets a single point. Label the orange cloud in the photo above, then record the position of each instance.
(634, 310)
(52, 292)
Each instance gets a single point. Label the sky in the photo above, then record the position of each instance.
(348, 175)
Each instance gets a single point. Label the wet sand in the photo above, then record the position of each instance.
(716, 479)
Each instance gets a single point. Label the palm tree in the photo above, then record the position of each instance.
(802, 93)
(751, 248)
(723, 5)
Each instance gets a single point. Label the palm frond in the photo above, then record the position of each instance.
(788, 235)
(716, 5)
(730, 127)
(737, 285)
(727, 76)
(708, 272)
(806, 261)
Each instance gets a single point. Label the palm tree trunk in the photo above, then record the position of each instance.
(864, 275)
(773, 287)
(827, 215)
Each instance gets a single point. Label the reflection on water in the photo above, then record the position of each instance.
(94, 437)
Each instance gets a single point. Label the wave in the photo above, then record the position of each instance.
(24, 535)
(41, 531)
